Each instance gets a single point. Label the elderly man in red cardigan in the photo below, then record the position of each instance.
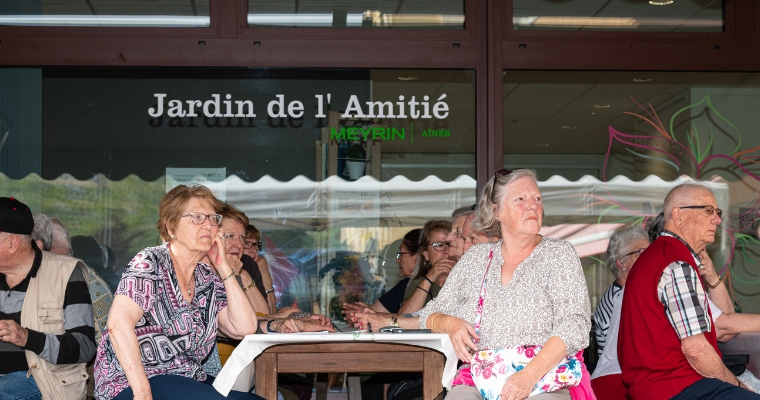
(667, 346)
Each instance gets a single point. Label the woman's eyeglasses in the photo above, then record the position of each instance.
(249, 244)
(639, 251)
(708, 209)
(198, 218)
(401, 253)
(440, 246)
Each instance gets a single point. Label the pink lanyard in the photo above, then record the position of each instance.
(481, 300)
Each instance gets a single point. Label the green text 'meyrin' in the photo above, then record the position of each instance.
(367, 133)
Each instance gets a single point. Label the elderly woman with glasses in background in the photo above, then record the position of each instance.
(169, 306)
(252, 249)
(625, 247)
(433, 267)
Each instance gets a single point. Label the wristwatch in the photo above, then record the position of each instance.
(394, 321)
(269, 291)
(269, 326)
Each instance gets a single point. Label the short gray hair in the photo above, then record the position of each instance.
(43, 230)
(61, 234)
(618, 242)
(670, 200)
(463, 211)
(491, 196)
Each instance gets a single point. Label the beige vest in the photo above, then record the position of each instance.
(43, 312)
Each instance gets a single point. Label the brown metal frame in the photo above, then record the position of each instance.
(488, 45)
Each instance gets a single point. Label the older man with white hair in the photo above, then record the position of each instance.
(667, 345)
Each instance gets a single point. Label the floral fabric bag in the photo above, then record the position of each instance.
(490, 369)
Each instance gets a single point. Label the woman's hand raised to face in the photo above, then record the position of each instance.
(217, 254)
(442, 266)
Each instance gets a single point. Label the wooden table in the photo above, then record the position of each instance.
(348, 357)
(268, 355)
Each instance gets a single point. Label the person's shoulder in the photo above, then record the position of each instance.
(481, 249)
(148, 259)
(555, 244)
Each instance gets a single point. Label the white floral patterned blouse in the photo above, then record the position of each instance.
(547, 296)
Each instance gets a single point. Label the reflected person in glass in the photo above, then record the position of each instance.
(391, 301)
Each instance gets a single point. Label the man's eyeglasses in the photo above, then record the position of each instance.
(709, 209)
(639, 251)
(249, 244)
(198, 218)
(440, 246)
(233, 236)
(401, 253)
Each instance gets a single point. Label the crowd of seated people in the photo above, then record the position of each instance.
(513, 302)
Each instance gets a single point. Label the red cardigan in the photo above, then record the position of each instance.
(653, 365)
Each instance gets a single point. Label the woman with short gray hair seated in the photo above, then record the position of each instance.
(623, 250)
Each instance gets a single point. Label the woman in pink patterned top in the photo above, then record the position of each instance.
(169, 306)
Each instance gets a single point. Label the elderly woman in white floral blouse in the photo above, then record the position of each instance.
(517, 310)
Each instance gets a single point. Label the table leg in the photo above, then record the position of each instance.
(266, 376)
(354, 385)
(432, 374)
(321, 386)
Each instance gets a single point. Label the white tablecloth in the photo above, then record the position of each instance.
(239, 369)
(745, 343)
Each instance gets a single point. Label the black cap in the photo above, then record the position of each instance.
(15, 217)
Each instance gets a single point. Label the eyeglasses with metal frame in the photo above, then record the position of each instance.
(710, 210)
(198, 218)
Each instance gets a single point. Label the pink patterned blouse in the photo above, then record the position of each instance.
(174, 337)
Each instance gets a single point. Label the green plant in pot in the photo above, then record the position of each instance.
(356, 152)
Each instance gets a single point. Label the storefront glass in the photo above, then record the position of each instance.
(608, 146)
(414, 14)
(123, 13)
(332, 166)
(619, 15)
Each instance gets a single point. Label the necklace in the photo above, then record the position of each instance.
(189, 282)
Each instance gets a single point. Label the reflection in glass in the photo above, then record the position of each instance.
(119, 13)
(415, 14)
(114, 141)
(616, 142)
(619, 15)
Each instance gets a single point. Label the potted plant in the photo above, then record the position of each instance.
(356, 161)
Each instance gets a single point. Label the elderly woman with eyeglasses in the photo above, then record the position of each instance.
(169, 306)
(625, 247)
(253, 246)
(433, 267)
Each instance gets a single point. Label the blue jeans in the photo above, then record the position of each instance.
(16, 386)
(714, 389)
(173, 387)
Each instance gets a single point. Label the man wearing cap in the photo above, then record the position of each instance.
(46, 321)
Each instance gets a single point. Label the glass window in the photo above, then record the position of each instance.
(619, 15)
(119, 13)
(332, 166)
(608, 146)
(414, 14)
